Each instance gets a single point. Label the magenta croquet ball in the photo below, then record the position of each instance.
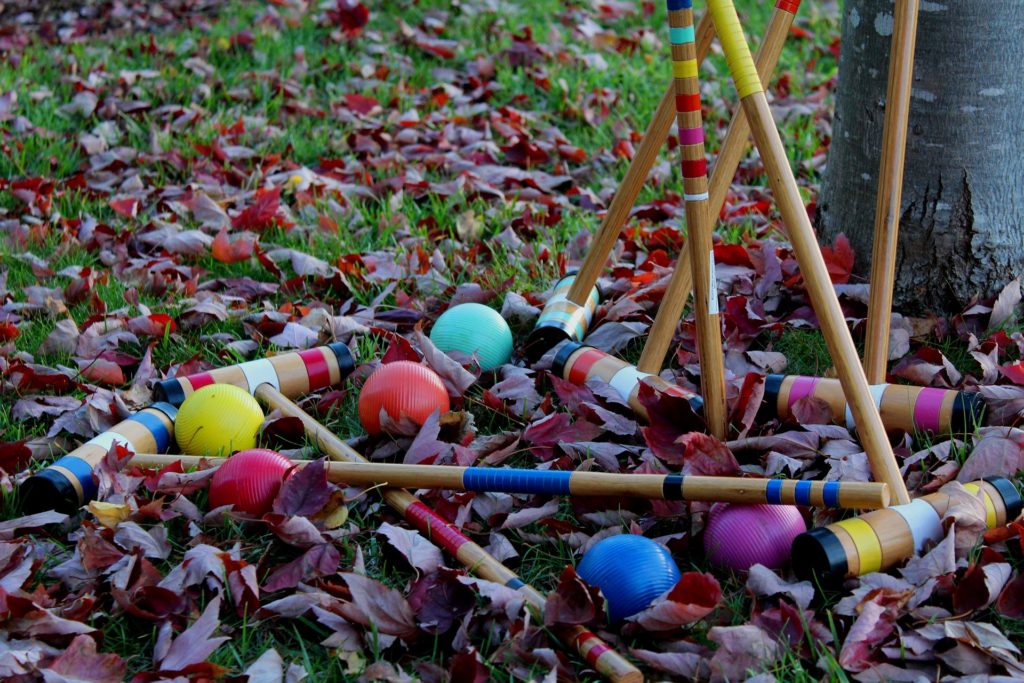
(739, 536)
(631, 572)
(249, 480)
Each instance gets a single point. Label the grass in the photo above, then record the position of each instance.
(636, 80)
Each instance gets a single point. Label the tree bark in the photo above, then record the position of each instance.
(962, 213)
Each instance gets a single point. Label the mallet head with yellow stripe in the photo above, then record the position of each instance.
(881, 539)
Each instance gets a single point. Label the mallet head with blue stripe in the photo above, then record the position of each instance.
(68, 483)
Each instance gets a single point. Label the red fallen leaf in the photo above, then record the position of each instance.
(305, 492)
(445, 49)
(320, 560)
(151, 603)
(441, 600)
(456, 379)
(14, 455)
(195, 645)
(349, 16)
(10, 527)
(8, 331)
(1013, 372)
(668, 417)
(153, 325)
(296, 531)
(362, 104)
(693, 597)
(226, 250)
(704, 454)
(744, 410)
(999, 453)
(570, 394)
(741, 649)
(101, 370)
(980, 586)
(525, 154)
(153, 480)
(262, 213)
(1011, 599)
(555, 428)
(374, 604)
(873, 626)
(573, 602)
(80, 662)
(839, 259)
(127, 207)
(623, 149)
(733, 255)
(267, 262)
(420, 553)
(96, 551)
(466, 667)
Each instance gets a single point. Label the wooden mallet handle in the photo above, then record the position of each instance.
(808, 254)
(890, 189)
(670, 310)
(748, 491)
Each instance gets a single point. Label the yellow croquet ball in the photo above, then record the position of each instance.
(218, 420)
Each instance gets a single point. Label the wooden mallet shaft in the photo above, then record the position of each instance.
(636, 175)
(890, 189)
(698, 224)
(737, 138)
(446, 535)
(808, 254)
(748, 491)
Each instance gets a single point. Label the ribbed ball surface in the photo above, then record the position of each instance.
(630, 570)
(474, 329)
(739, 536)
(218, 420)
(249, 480)
(401, 388)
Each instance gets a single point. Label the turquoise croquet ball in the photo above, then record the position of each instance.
(631, 572)
(474, 329)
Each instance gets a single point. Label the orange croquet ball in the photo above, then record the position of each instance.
(401, 388)
(249, 480)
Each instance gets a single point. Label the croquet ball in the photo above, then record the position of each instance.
(218, 420)
(401, 388)
(739, 536)
(631, 572)
(249, 480)
(474, 329)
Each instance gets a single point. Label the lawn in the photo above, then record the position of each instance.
(193, 184)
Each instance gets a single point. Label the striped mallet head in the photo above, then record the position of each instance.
(561, 319)
(878, 540)
(68, 484)
(294, 374)
(924, 410)
(578, 364)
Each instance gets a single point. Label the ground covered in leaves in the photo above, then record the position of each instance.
(193, 183)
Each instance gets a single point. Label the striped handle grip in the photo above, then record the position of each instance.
(734, 43)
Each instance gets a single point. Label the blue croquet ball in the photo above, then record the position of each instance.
(474, 329)
(630, 570)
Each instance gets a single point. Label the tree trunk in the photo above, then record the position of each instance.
(962, 214)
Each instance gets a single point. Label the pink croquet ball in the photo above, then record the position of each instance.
(739, 536)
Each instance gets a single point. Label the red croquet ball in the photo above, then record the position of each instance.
(401, 388)
(249, 480)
